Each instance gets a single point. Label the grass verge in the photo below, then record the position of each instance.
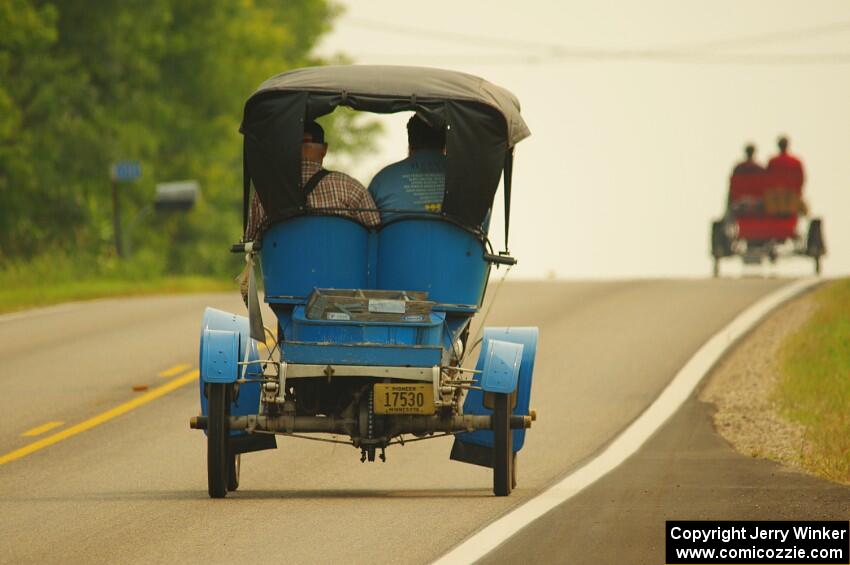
(21, 298)
(49, 280)
(814, 389)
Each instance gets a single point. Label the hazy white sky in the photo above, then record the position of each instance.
(629, 156)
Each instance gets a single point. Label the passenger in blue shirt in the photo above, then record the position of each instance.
(415, 184)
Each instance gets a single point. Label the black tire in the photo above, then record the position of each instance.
(217, 440)
(513, 472)
(815, 246)
(503, 453)
(235, 462)
(720, 244)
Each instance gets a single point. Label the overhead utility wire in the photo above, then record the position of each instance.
(693, 53)
(491, 41)
(768, 38)
(481, 41)
(683, 58)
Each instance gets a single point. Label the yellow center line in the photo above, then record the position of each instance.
(100, 418)
(174, 370)
(38, 430)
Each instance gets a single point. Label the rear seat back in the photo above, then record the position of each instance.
(309, 252)
(435, 256)
(765, 228)
(431, 255)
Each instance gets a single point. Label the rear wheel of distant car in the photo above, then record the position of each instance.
(719, 245)
(815, 247)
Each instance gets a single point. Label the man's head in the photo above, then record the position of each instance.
(313, 146)
(422, 136)
(782, 143)
(750, 150)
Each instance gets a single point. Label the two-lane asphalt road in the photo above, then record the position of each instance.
(129, 485)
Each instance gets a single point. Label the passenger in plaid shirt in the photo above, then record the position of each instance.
(335, 190)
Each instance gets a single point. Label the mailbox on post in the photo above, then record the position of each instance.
(179, 195)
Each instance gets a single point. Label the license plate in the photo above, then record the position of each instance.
(402, 398)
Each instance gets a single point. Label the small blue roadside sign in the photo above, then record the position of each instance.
(125, 171)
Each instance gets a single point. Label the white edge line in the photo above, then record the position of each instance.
(630, 440)
(39, 311)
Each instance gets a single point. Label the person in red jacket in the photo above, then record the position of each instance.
(785, 173)
(786, 169)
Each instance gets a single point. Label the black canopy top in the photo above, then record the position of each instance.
(483, 124)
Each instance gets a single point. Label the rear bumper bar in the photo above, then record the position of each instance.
(287, 424)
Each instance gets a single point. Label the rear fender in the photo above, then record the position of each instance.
(220, 361)
(476, 447)
(226, 341)
(501, 366)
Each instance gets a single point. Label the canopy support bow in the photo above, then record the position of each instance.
(509, 167)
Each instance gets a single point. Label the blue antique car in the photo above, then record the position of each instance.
(371, 339)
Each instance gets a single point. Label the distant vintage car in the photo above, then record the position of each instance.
(762, 221)
(372, 324)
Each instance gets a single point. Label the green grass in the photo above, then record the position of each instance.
(47, 280)
(814, 390)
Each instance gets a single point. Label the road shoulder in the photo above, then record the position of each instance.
(686, 471)
(742, 389)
